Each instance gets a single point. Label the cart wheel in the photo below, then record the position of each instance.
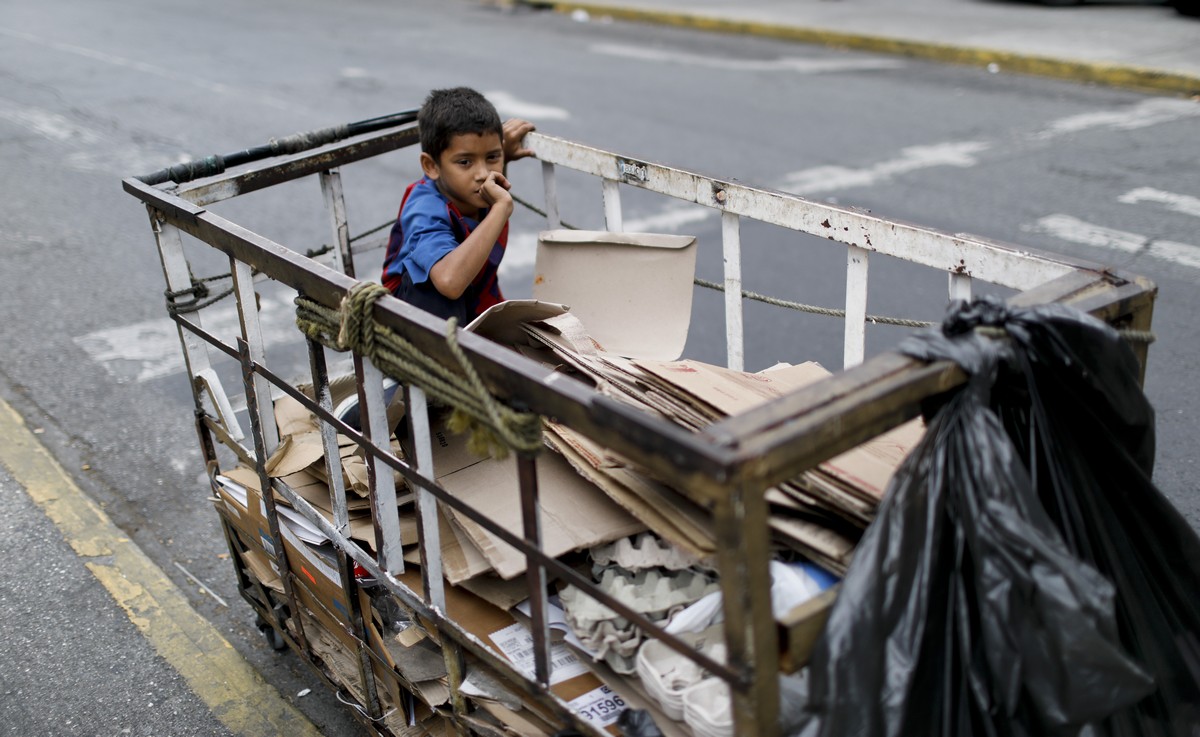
(274, 639)
(269, 633)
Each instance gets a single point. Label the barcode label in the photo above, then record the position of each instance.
(600, 706)
(516, 643)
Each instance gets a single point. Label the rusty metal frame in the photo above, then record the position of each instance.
(727, 467)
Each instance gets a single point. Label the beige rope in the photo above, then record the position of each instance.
(494, 426)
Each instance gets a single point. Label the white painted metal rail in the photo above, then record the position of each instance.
(962, 257)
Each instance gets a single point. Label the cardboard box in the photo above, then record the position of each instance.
(576, 514)
(501, 631)
(612, 281)
(315, 572)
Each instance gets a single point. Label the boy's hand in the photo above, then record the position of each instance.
(494, 189)
(514, 131)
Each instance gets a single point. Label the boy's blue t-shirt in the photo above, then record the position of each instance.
(429, 226)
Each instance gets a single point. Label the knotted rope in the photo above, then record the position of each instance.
(494, 426)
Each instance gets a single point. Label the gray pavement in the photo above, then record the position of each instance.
(1131, 44)
(72, 662)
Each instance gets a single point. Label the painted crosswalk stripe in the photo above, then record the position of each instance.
(1074, 230)
(150, 349)
(1186, 204)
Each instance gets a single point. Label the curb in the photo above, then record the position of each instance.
(1113, 75)
(230, 688)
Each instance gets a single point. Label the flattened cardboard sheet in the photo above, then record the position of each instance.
(633, 291)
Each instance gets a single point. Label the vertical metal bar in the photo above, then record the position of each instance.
(417, 410)
(420, 443)
(247, 307)
(341, 521)
(335, 202)
(373, 421)
(178, 276)
(731, 239)
(333, 458)
(550, 187)
(264, 481)
(535, 572)
(743, 552)
(960, 287)
(854, 343)
(1141, 320)
(366, 672)
(612, 206)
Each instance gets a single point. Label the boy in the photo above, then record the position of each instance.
(452, 229)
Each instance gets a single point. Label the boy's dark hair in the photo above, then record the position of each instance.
(452, 112)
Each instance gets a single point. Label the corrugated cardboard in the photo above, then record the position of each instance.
(667, 513)
(481, 619)
(614, 282)
(504, 322)
(575, 513)
(461, 560)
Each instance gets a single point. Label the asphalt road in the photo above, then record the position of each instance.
(94, 92)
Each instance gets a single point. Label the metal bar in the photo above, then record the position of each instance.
(731, 241)
(855, 341)
(550, 186)
(429, 532)
(341, 521)
(268, 498)
(960, 286)
(293, 167)
(333, 458)
(366, 673)
(373, 419)
(335, 203)
(535, 573)
(991, 261)
(216, 164)
(651, 441)
(612, 206)
(751, 637)
(207, 382)
(247, 307)
(178, 276)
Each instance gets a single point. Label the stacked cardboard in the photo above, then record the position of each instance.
(591, 500)
(821, 514)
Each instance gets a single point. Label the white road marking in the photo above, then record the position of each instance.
(783, 64)
(1074, 230)
(669, 219)
(151, 69)
(913, 158)
(48, 125)
(150, 349)
(97, 151)
(1186, 204)
(509, 106)
(1141, 115)
(1178, 253)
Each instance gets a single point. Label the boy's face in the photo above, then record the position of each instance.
(462, 168)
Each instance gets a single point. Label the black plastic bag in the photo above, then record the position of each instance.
(1023, 575)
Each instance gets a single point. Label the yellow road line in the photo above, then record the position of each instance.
(1113, 75)
(234, 692)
